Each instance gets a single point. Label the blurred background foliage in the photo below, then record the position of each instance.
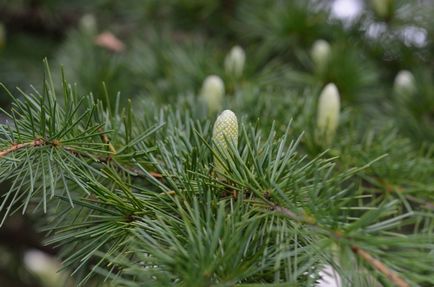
(162, 51)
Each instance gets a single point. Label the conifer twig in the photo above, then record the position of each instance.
(375, 263)
(156, 174)
(386, 271)
(15, 147)
(301, 218)
(39, 142)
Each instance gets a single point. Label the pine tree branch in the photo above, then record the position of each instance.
(386, 271)
(375, 263)
(292, 215)
(39, 142)
(16, 147)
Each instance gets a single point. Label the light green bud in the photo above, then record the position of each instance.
(320, 53)
(328, 113)
(234, 62)
(88, 24)
(212, 93)
(225, 132)
(44, 267)
(404, 83)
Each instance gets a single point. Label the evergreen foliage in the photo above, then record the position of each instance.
(115, 157)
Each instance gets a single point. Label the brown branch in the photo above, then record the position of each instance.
(15, 147)
(394, 277)
(156, 174)
(386, 271)
(286, 211)
(74, 152)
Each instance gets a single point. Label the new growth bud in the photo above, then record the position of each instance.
(320, 53)
(225, 132)
(328, 113)
(234, 62)
(212, 93)
(404, 83)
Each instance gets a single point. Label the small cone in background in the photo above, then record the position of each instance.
(320, 53)
(404, 84)
(45, 267)
(2, 35)
(88, 24)
(234, 62)
(382, 7)
(225, 131)
(328, 113)
(212, 93)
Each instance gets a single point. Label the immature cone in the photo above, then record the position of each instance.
(88, 24)
(328, 113)
(404, 83)
(212, 93)
(44, 267)
(234, 62)
(320, 53)
(225, 132)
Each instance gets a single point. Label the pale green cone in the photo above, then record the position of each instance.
(234, 62)
(45, 268)
(320, 53)
(88, 24)
(404, 84)
(225, 131)
(212, 93)
(328, 114)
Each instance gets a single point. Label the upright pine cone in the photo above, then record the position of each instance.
(212, 93)
(234, 62)
(328, 114)
(320, 53)
(225, 132)
(404, 84)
